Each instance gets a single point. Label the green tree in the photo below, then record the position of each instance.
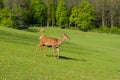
(83, 15)
(20, 15)
(73, 19)
(61, 14)
(19, 9)
(6, 17)
(38, 11)
(1, 4)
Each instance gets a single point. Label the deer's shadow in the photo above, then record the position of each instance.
(69, 58)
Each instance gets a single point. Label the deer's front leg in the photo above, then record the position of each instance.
(58, 52)
(53, 48)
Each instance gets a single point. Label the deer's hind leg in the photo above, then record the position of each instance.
(43, 51)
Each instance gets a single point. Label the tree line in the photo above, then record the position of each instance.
(82, 14)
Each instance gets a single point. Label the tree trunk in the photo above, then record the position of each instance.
(112, 21)
(47, 23)
(53, 13)
(103, 18)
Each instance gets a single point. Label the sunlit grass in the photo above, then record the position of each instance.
(87, 56)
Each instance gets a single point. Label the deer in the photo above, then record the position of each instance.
(51, 42)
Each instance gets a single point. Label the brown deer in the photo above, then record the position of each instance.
(51, 42)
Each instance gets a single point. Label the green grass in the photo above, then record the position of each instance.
(87, 56)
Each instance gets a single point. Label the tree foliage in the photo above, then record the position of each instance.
(6, 17)
(78, 13)
(38, 10)
(74, 16)
(20, 15)
(86, 15)
(1, 4)
(61, 13)
(83, 15)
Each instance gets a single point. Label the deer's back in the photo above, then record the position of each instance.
(48, 41)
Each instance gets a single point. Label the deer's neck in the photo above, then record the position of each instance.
(61, 41)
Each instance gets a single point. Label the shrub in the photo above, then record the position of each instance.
(113, 30)
(104, 29)
(22, 27)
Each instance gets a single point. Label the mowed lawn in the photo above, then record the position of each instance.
(87, 56)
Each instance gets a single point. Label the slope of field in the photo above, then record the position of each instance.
(87, 56)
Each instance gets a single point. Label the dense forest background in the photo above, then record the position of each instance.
(80, 14)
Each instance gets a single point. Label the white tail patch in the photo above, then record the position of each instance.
(41, 37)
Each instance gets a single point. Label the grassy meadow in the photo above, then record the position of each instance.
(87, 56)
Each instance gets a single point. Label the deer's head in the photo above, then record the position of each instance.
(65, 37)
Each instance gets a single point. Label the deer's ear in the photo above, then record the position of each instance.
(63, 33)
